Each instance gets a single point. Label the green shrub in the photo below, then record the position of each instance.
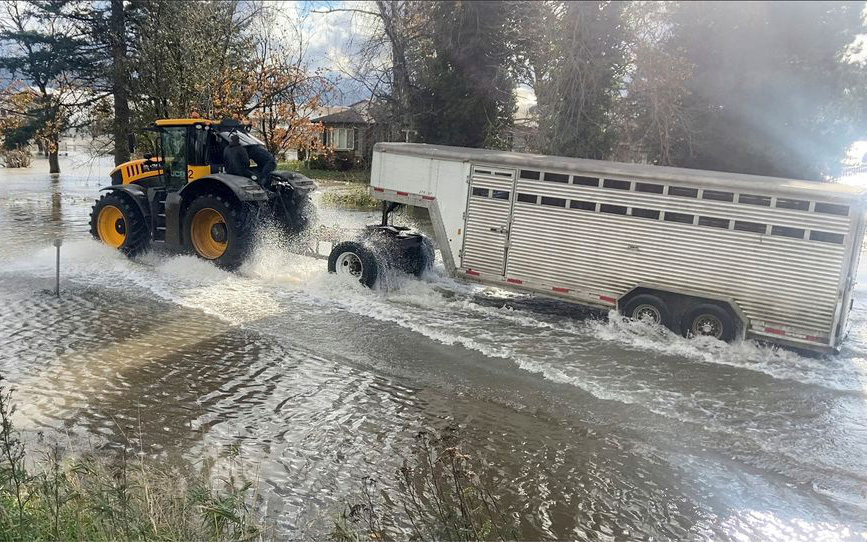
(354, 196)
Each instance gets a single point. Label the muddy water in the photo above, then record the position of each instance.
(598, 429)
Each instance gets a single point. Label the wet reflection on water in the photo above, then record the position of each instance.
(591, 429)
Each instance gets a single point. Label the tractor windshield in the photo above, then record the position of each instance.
(245, 138)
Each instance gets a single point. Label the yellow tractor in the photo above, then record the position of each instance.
(182, 198)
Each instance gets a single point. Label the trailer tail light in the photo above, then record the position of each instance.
(816, 339)
(560, 290)
(473, 273)
(399, 193)
(377, 189)
(608, 299)
(775, 331)
(515, 281)
(429, 198)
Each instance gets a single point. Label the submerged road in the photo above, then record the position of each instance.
(588, 428)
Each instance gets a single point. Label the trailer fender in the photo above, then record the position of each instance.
(242, 188)
(683, 293)
(134, 193)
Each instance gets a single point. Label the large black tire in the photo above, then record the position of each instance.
(707, 319)
(354, 259)
(219, 230)
(295, 211)
(304, 213)
(119, 223)
(424, 262)
(649, 308)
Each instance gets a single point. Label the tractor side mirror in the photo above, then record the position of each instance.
(130, 140)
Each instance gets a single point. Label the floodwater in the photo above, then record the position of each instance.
(587, 428)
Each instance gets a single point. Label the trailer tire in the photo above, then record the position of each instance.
(709, 320)
(354, 259)
(650, 308)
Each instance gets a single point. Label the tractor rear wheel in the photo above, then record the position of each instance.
(218, 230)
(118, 223)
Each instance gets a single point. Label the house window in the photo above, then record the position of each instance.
(342, 139)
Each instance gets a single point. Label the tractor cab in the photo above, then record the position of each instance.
(186, 150)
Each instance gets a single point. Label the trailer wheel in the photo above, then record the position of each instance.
(648, 308)
(708, 320)
(354, 259)
(426, 257)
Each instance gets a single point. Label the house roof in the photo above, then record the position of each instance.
(354, 114)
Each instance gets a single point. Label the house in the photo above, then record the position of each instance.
(351, 132)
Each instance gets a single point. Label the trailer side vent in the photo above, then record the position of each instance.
(832, 209)
(557, 177)
(500, 194)
(530, 174)
(752, 199)
(826, 237)
(553, 202)
(681, 218)
(754, 227)
(483, 171)
(785, 231)
(483, 192)
(585, 181)
(612, 209)
(683, 192)
(616, 185)
(716, 195)
(649, 188)
(714, 222)
(645, 213)
(527, 198)
(505, 174)
(796, 204)
(583, 205)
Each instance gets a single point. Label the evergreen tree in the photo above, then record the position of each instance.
(465, 83)
(40, 46)
(577, 77)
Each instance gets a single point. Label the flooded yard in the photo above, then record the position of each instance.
(587, 427)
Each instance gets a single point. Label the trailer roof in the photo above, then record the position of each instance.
(625, 170)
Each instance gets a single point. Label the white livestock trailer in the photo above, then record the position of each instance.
(701, 252)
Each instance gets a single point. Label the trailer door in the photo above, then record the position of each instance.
(489, 212)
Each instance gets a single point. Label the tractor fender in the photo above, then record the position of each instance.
(135, 193)
(243, 188)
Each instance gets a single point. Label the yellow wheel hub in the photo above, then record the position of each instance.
(111, 226)
(209, 234)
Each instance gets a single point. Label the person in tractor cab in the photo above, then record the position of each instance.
(265, 163)
(236, 159)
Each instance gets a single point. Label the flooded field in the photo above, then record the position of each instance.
(589, 428)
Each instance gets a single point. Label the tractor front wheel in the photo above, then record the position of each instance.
(118, 223)
(218, 230)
